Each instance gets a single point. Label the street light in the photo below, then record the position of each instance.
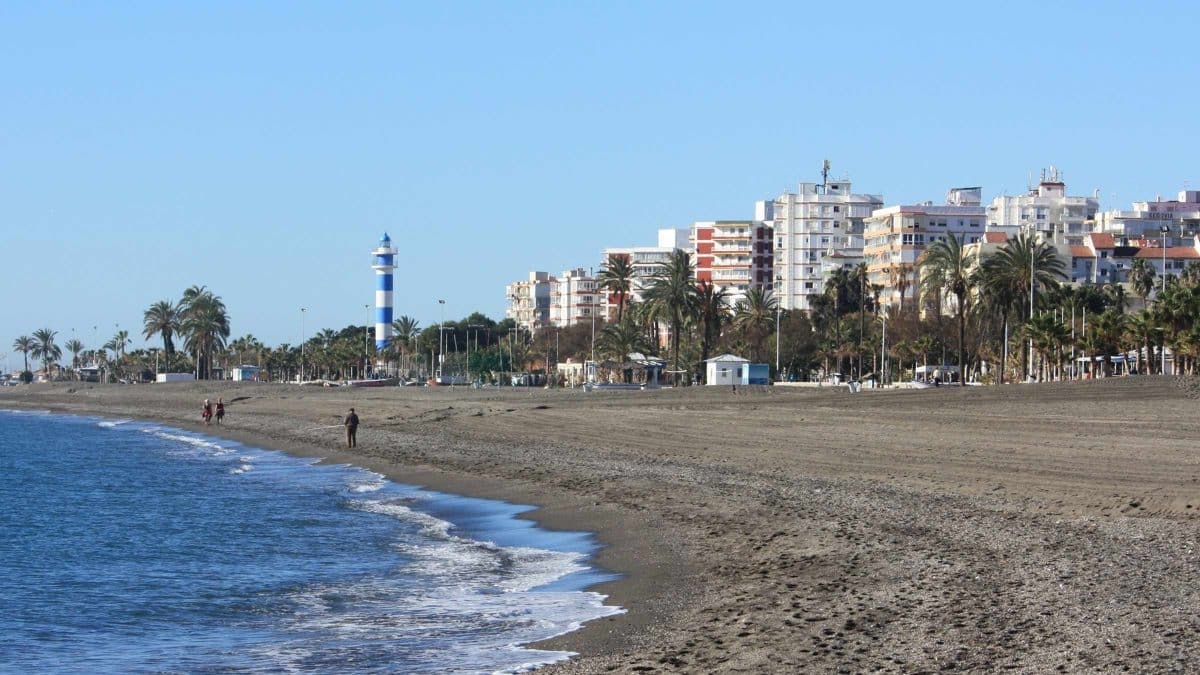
(302, 311)
(441, 333)
(778, 314)
(1164, 229)
(366, 341)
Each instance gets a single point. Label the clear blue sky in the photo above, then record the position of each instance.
(261, 148)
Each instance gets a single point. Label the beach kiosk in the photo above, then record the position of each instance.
(726, 369)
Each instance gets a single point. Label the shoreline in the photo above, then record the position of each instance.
(632, 577)
(800, 530)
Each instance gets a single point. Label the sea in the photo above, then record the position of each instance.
(128, 547)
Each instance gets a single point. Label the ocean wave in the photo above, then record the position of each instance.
(194, 441)
(510, 569)
(109, 424)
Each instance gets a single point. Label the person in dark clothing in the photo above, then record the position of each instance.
(351, 423)
(220, 411)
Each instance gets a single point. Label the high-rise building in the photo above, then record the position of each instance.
(646, 261)
(816, 221)
(574, 298)
(529, 301)
(1045, 208)
(896, 236)
(736, 255)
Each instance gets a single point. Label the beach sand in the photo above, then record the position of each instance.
(1029, 528)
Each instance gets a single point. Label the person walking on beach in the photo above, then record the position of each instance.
(220, 411)
(207, 413)
(351, 423)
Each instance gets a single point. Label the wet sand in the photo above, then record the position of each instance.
(1026, 528)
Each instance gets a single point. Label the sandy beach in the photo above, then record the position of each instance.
(1027, 528)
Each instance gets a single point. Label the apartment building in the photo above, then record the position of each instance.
(816, 221)
(646, 261)
(1045, 208)
(529, 300)
(575, 298)
(1180, 216)
(895, 237)
(735, 255)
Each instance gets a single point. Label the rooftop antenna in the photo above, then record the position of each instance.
(824, 176)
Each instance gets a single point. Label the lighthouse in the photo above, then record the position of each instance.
(385, 259)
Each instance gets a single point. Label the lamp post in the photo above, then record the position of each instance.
(595, 303)
(441, 347)
(366, 341)
(1163, 351)
(302, 311)
(778, 315)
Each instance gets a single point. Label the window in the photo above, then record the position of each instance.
(836, 209)
(824, 240)
(974, 240)
(942, 224)
(808, 284)
(907, 240)
(974, 223)
(1103, 254)
(960, 223)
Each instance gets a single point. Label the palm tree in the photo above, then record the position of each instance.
(949, 268)
(754, 317)
(45, 349)
(204, 325)
(712, 309)
(860, 275)
(162, 318)
(1141, 327)
(406, 329)
(617, 341)
(1141, 277)
(616, 276)
(24, 344)
(900, 278)
(74, 346)
(1008, 271)
(672, 296)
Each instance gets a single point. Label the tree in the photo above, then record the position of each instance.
(754, 317)
(1021, 264)
(712, 308)
(618, 340)
(45, 349)
(672, 296)
(1141, 277)
(204, 325)
(74, 346)
(24, 344)
(948, 267)
(900, 278)
(616, 276)
(162, 318)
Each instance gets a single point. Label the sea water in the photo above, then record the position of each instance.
(133, 547)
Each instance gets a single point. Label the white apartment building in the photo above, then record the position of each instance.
(646, 261)
(574, 298)
(810, 224)
(896, 236)
(1181, 216)
(1046, 209)
(529, 301)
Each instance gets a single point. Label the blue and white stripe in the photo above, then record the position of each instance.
(385, 259)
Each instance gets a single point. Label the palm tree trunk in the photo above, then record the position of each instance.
(1004, 347)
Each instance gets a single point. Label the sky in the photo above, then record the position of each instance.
(261, 149)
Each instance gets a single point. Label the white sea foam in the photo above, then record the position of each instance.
(373, 482)
(108, 424)
(241, 468)
(217, 448)
(511, 569)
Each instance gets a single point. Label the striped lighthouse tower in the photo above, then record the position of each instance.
(385, 258)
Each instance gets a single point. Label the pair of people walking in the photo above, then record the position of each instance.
(207, 412)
